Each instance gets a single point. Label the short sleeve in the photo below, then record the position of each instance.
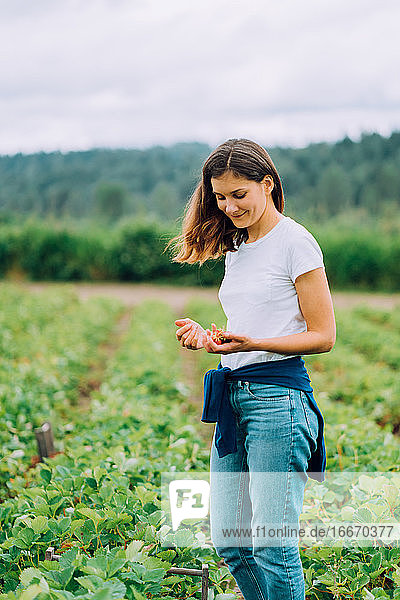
(304, 254)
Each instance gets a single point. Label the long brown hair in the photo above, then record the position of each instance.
(207, 232)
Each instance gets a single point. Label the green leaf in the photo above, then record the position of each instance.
(25, 538)
(54, 526)
(90, 513)
(68, 484)
(67, 558)
(89, 531)
(29, 575)
(103, 594)
(363, 515)
(106, 491)
(77, 524)
(329, 497)
(358, 582)
(376, 562)
(114, 565)
(153, 575)
(394, 555)
(31, 592)
(184, 537)
(115, 588)
(152, 562)
(150, 535)
(103, 590)
(144, 495)
(155, 517)
(62, 595)
(91, 482)
(40, 524)
(391, 493)
(347, 513)
(172, 579)
(45, 474)
(326, 578)
(96, 566)
(41, 507)
(395, 575)
(50, 565)
(90, 582)
(167, 554)
(61, 578)
(137, 594)
(63, 471)
(65, 524)
(35, 589)
(133, 551)
(56, 503)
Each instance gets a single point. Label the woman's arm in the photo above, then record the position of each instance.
(316, 306)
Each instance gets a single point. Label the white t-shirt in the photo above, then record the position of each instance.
(258, 294)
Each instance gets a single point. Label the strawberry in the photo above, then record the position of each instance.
(218, 337)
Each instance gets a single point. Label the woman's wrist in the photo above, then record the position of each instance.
(255, 345)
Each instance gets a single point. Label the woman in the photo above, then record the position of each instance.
(269, 430)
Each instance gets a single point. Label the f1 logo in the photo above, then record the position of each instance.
(189, 499)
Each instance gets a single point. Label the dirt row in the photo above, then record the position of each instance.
(94, 378)
(134, 293)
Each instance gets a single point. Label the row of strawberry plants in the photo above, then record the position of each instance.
(347, 378)
(380, 345)
(98, 503)
(354, 443)
(360, 370)
(390, 319)
(48, 343)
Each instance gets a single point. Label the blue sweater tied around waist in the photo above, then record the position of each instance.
(289, 373)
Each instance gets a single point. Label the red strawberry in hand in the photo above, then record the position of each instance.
(218, 336)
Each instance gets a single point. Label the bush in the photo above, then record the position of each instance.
(134, 250)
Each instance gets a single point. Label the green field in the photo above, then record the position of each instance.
(124, 402)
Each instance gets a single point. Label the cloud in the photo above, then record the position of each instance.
(80, 74)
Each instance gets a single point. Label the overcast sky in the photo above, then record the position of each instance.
(77, 74)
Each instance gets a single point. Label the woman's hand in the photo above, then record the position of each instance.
(191, 335)
(237, 343)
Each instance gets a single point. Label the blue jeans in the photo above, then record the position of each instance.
(276, 430)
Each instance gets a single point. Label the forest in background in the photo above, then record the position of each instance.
(321, 182)
(107, 215)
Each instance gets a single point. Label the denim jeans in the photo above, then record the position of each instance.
(276, 430)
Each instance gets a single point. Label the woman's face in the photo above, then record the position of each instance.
(243, 200)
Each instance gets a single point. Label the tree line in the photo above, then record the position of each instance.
(320, 181)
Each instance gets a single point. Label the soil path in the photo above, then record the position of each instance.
(94, 378)
(134, 293)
